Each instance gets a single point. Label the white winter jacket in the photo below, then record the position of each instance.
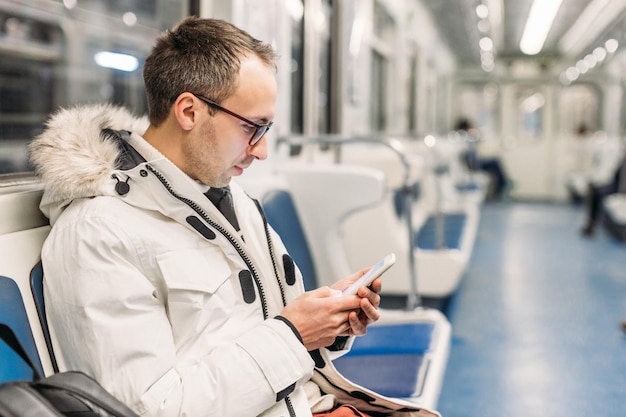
(151, 291)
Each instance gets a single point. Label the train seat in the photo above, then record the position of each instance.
(16, 336)
(23, 229)
(403, 345)
(592, 160)
(448, 158)
(36, 284)
(614, 215)
(280, 212)
(398, 367)
(444, 230)
(439, 270)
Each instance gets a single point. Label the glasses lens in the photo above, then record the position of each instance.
(258, 134)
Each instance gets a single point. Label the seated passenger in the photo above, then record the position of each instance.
(492, 166)
(596, 192)
(176, 307)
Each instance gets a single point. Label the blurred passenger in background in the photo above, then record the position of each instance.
(581, 150)
(492, 166)
(600, 187)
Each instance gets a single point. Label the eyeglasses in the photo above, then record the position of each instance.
(259, 130)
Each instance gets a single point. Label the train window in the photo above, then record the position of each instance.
(378, 103)
(382, 47)
(383, 23)
(296, 11)
(530, 104)
(49, 58)
(324, 25)
(312, 49)
(412, 93)
(29, 50)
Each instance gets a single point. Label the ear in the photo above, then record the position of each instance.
(185, 108)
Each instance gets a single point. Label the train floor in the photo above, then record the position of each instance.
(536, 322)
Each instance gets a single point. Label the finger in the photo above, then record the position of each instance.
(346, 329)
(357, 327)
(377, 285)
(370, 311)
(369, 294)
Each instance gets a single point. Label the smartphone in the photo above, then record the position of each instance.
(376, 271)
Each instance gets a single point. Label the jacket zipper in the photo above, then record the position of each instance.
(195, 207)
(270, 244)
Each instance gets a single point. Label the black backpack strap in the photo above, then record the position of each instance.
(19, 399)
(8, 336)
(85, 387)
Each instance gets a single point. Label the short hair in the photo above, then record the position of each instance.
(202, 56)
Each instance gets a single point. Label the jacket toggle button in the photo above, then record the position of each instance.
(121, 187)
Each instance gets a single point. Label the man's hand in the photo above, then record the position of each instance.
(321, 315)
(369, 302)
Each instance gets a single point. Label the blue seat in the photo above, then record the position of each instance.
(36, 286)
(394, 353)
(467, 186)
(16, 335)
(281, 214)
(453, 225)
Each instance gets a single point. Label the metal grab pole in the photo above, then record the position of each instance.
(440, 222)
(413, 299)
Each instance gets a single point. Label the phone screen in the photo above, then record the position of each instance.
(376, 271)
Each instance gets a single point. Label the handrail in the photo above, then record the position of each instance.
(332, 139)
(413, 301)
(17, 178)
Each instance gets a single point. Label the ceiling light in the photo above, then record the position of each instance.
(572, 73)
(113, 60)
(582, 67)
(539, 22)
(611, 45)
(483, 26)
(488, 67)
(482, 11)
(485, 44)
(129, 18)
(597, 16)
(430, 141)
(599, 53)
(591, 61)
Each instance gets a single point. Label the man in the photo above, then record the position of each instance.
(177, 308)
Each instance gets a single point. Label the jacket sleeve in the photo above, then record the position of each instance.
(106, 319)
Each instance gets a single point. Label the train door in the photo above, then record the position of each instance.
(540, 124)
(528, 134)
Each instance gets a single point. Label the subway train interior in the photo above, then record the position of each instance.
(480, 141)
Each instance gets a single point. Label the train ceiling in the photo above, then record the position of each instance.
(579, 26)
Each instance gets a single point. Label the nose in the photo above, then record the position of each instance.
(259, 149)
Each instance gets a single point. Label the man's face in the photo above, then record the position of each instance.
(218, 148)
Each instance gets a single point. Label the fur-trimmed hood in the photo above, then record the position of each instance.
(74, 156)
